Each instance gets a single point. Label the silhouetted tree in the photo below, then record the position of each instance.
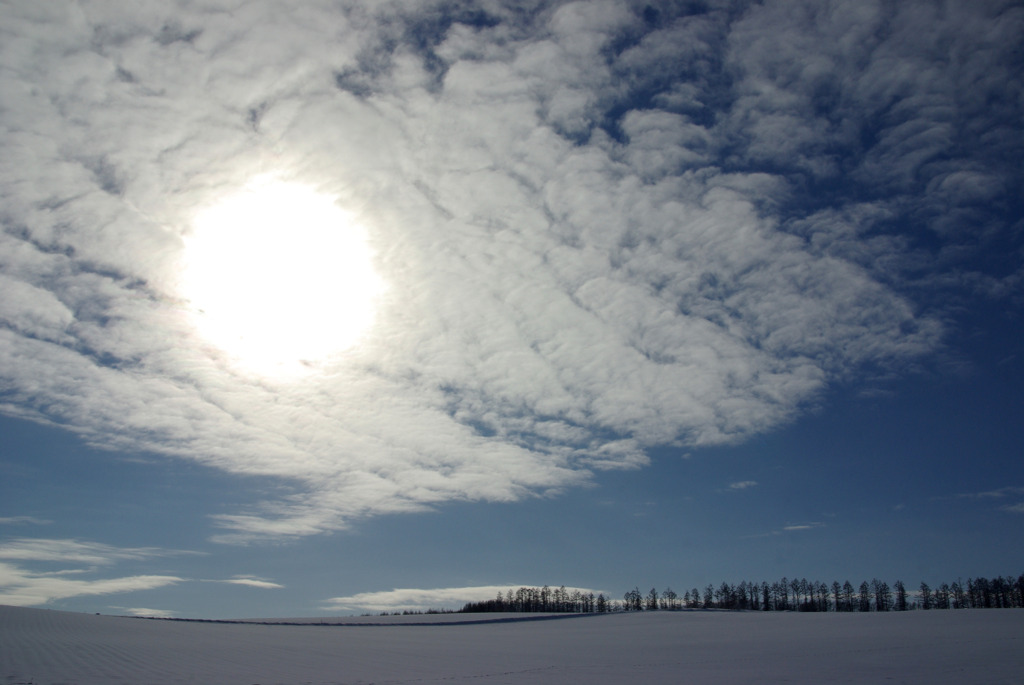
(633, 600)
(796, 588)
(741, 593)
(783, 601)
(783, 595)
(725, 597)
(940, 599)
(901, 596)
(1000, 592)
(865, 597)
(883, 595)
(847, 596)
(926, 596)
(971, 595)
(959, 600)
(755, 596)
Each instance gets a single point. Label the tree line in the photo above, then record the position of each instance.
(782, 595)
(542, 599)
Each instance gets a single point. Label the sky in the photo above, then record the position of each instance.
(324, 308)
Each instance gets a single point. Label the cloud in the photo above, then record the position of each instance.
(994, 494)
(28, 587)
(252, 581)
(1000, 493)
(76, 551)
(742, 485)
(147, 613)
(20, 587)
(600, 232)
(18, 520)
(790, 528)
(419, 599)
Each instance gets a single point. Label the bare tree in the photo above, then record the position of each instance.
(651, 603)
(926, 596)
(941, 597)
(865, 597)
(847, 596)
(883, 595)
(901, 596)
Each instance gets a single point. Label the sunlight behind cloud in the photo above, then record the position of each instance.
(279, 277)
(605, 232)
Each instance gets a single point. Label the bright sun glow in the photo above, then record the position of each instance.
(279, 276)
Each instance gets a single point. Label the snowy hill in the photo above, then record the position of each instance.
(971, 646)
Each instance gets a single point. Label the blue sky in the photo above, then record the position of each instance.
(323, 308)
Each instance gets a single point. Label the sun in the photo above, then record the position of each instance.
(279, 277)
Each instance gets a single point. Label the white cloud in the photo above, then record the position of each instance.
(803, 526)
(574, 275)
(147, 613)
(994, 494)
(742, 485)
(421, 599)
(252, 581)
(1000, 493)
(17, 520)
(27, 586)
(21, 587)
(76, 551)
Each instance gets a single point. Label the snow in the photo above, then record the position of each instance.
(42, 647)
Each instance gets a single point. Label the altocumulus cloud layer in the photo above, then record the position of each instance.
(603, 226)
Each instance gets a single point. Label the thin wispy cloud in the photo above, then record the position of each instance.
(252, 581)
(23, 520)
(147, 613)
(22, 587)
(999, 493)
(601, 230)
(743, 485)
(25, 583)
(77, 551)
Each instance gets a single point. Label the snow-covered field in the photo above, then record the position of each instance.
(970, 646)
